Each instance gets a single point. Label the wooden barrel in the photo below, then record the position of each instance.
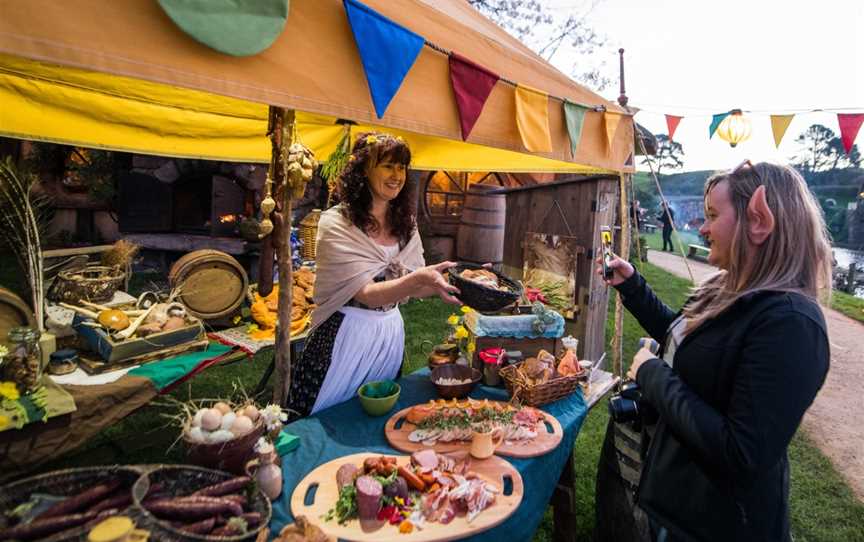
(14, 312)
(481, 229)
(212, 284)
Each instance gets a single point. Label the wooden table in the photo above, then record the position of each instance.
(564, 498)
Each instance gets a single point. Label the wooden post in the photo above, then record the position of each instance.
(280, 138)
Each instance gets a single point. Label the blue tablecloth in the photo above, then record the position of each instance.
(345, 429)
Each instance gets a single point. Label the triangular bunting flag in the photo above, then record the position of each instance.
(574, 116)
(472, 85)
(532, 118)
(779, 125)
(672, 124)
(387, 50)
(715, 122)
(611, 121)
(850, 123)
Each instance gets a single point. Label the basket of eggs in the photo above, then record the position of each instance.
(222, 436)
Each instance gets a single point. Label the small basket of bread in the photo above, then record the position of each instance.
(544, 379)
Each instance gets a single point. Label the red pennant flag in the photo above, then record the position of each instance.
(672, 124)
(472, 85)
(850, 123)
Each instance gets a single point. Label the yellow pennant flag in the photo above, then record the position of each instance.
(779, 124)
(611, 120)
(532, 118)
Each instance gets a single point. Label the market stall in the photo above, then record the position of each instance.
(70, 74)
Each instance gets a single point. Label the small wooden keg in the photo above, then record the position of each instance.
(480, 238)
(212, 283)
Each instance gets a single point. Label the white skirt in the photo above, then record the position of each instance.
(369, 346)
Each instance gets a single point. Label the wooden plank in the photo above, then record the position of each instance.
(63, 252)
(180, 242)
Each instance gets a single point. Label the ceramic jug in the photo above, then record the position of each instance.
(484, 444)
(266, 472)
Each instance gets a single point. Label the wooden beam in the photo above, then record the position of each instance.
(63, 252)
(281, 238)
(180, 242)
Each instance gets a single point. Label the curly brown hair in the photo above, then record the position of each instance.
(353, 192)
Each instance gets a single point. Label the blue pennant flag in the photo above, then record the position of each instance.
(715, 122)
(388, 50)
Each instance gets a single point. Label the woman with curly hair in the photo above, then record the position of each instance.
(369, 259)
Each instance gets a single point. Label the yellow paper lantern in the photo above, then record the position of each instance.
(735, 128)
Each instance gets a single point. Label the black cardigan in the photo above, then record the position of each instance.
(717, 467)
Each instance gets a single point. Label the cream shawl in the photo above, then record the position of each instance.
(347, 260)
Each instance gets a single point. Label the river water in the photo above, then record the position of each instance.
(845, 256)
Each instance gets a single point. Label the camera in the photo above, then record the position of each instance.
(627, 405)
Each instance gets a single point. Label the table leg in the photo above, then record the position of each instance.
(297, 345)
(564, 503)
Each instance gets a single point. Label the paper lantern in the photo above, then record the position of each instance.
(735, 128)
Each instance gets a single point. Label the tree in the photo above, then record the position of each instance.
(669, 154)
(822, 150)
(544, 31)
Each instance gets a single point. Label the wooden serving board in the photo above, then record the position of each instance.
(548, 438)
(323, 480)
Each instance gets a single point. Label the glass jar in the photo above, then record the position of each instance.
(23, 364)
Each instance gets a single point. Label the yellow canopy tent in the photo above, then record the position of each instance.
(121, 75)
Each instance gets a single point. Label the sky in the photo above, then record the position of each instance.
(694, 58)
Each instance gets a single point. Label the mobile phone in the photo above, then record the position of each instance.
(606, 244)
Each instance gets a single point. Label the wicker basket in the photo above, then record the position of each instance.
(183, 480)
(308, 231)
(483, 298)
(231, 456)
(550, 391)
(64, 482)
(95, 283)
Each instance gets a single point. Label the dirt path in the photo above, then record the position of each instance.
(834, 422)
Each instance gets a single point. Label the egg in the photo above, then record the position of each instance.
(196, 435)
(211, 419)
(251, 412)
(220, 436)
(227, 420)
(196, 420)
(241, 425)
(222, 407)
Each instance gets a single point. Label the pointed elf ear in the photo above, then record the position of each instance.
(760, 219)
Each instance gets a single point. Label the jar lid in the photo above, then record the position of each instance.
(23, 333)
(62, 356)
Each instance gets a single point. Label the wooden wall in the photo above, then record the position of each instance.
(587, 204)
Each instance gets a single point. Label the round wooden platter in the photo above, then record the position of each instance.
(323, 480)
(397, 429)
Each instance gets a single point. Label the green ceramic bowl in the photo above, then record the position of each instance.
(377, 398)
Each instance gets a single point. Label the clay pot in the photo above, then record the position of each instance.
(266, 472)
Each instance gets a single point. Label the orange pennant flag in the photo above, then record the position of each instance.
(611, 120)
(532, 118)
(779, 125)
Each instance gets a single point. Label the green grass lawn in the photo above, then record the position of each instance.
(655, 240)
(848, 304)
(823, 507)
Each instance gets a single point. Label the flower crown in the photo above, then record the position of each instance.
(373, 139)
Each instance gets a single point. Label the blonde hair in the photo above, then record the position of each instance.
(796, 256)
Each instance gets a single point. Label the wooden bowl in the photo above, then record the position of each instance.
(459, 372)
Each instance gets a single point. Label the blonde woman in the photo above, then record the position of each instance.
(739, 365)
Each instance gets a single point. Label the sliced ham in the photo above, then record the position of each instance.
(425, 460)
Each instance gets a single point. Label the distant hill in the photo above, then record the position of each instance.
(841, 184)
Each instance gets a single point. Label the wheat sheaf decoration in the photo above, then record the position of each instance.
(22, 214)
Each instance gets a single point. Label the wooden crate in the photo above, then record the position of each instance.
(112, 351)
(528, 346)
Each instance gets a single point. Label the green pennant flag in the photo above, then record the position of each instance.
(715, 122)
(574, 116)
